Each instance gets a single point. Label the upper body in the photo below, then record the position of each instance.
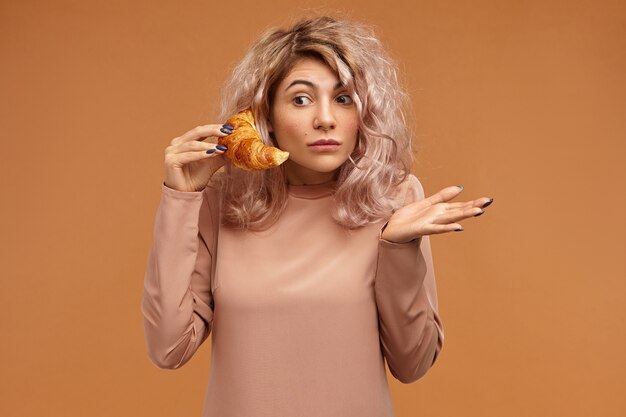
(301, 314)
(310, 274)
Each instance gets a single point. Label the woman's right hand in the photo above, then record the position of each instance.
(187, 165)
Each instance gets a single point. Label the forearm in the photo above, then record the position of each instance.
(173, 330)
(410, 328)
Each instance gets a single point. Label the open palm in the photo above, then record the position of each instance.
(432, 215)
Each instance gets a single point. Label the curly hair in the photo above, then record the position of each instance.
(383, 155)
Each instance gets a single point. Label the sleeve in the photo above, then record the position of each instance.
(177, 301)
(411, 333)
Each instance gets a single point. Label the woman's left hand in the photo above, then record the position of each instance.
(432, 215)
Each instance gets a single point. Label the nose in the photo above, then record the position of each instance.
(324, 117)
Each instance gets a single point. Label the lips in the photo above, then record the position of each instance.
(324, 142)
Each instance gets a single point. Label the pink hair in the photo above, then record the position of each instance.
(383, 156)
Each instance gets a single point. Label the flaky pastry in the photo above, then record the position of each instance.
(246, 149)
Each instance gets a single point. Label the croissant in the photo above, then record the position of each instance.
(245, 148)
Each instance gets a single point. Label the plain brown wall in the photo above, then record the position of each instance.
(524, 101)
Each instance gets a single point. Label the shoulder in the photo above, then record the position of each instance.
(411, 190)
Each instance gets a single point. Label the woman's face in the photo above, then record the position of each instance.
(310, 104)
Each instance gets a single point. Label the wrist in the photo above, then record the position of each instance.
(390, 237)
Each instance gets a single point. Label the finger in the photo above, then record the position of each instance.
(216, 151)
(193, 145)
(487, 203)
(184, 158)
(458, 215)
(482, 202)
(444, 228)
(206, 147)
(446, 194)
(200, 133)
(455, 206)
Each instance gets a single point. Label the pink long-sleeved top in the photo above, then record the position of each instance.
(301, 315)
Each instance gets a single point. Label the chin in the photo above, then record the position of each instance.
(328, 165)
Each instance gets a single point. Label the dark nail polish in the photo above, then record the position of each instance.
(229, 127)
(460, 186)
(482, 212)
(458, 230)
(222, 147)
(227, 131)
(210, 151)
(487, 203)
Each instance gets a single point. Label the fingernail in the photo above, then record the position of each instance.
(228, 127)
(459, 230)
(222, 147)
(487, 203)
(460, 186)
(210, 151)
(482, 212)
(227, 131)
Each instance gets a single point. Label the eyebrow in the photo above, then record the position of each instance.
(310, 84)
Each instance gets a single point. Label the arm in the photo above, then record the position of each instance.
(411, 332)
(177, 303)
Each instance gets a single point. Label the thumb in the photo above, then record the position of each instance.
(445, 194)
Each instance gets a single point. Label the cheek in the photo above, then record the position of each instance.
(289, 132)
(293, 128)
(284, 123)
(353, 129)
(351, 123)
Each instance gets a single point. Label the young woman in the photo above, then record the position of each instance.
(310, 275)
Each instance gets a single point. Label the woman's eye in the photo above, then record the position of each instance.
(346, 99)
(300, 100)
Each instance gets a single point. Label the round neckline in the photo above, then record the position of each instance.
(312, 191)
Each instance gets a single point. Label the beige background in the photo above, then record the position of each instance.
(524, 101)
